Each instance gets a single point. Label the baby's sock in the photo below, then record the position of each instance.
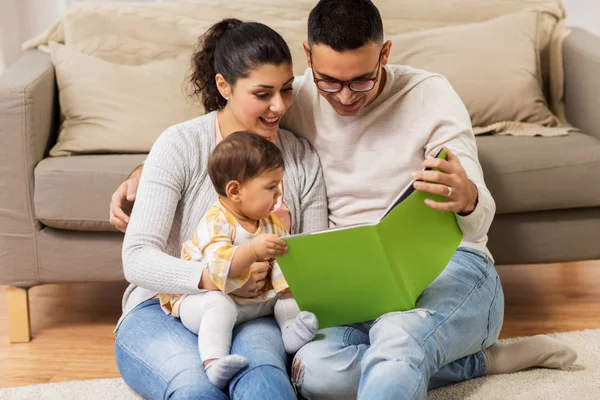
(536, 351)
(221, 370)
(299, 331)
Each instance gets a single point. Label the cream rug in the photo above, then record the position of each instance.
(580, 381)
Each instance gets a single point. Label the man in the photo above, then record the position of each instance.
(373, 126)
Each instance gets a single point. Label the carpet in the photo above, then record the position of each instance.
(579, 381)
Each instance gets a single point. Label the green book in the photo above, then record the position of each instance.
(360, 272)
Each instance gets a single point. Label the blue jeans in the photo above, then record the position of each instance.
(437, 343)
(158, 358)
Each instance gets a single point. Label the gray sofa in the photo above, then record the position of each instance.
(54, 211)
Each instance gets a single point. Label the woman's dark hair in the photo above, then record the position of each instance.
(233, 48)
(345, 24)
(241, 157)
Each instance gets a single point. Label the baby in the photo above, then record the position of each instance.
(238, 230)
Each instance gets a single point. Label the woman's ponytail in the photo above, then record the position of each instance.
(233, 49)
(203, 65)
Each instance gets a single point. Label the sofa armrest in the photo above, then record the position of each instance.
(581, 53)
(28, 119)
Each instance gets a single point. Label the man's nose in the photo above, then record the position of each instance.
(345, 95)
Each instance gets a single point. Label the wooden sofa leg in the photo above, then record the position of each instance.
(19, 321)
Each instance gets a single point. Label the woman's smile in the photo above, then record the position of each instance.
(270, 122)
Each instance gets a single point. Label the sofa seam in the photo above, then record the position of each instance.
(29, 174)
(77, 173)
(550, 168)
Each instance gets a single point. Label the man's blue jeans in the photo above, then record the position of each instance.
(158, 358)
(437, 343)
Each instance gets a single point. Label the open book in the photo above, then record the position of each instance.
(360, 272)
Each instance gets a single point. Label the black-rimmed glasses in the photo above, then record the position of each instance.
(358, 85)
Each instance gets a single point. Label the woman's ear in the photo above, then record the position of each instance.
(222, 85)
(233, 190)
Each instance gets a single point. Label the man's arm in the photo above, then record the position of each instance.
(469, 197)
(121, 202)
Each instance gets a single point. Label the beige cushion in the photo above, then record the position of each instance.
(111, 108)
(134, 33)
(74, 192)
(493, 65)
(537, 173)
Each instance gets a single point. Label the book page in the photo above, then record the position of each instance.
(332, 229)
(408, 189)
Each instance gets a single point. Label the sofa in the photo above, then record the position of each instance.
(54, 210)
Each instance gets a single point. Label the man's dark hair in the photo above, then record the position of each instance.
(345, 24)
(241, 157)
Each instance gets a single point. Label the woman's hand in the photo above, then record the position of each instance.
(259, 271)
(450, 181)
(121, 202)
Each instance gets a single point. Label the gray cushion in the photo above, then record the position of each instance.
(74, 192)
(541, 173)
(522, 173)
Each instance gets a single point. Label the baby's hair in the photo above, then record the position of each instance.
(241, 157)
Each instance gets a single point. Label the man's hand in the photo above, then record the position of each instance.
(121, 202)
(259, 272)
(268, 246)
(450, 181)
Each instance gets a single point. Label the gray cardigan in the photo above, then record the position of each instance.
(174, 193)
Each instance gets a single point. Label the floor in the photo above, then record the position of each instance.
(72, 324)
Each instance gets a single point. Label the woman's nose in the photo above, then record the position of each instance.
(278, 105)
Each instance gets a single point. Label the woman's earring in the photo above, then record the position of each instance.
(226, 98)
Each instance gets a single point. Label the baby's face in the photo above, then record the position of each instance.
(259, 195)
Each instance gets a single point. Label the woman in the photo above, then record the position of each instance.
(244, 73)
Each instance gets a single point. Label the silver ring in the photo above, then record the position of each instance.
(449, 191)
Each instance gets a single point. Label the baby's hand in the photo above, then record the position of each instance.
(268, 246)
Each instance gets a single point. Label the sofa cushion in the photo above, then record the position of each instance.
(522, 173)
(537, 173)
(486, 67)
(135, 34)
(74, 192)
(112, 108)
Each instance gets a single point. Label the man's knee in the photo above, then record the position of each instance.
(406, 328)
(326, 370)
(406, 337)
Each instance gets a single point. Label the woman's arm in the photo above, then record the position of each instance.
(163, 181)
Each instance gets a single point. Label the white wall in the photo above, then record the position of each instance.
(584, 13)
(21, 20)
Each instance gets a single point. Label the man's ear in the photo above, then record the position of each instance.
(385, 52)
(306, 46)
(233, 189)
(222, 85)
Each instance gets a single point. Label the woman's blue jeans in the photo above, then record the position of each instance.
(158, 358)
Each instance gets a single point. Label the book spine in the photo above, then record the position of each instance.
(392, 266)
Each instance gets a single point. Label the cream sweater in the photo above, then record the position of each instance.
(368, 159)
